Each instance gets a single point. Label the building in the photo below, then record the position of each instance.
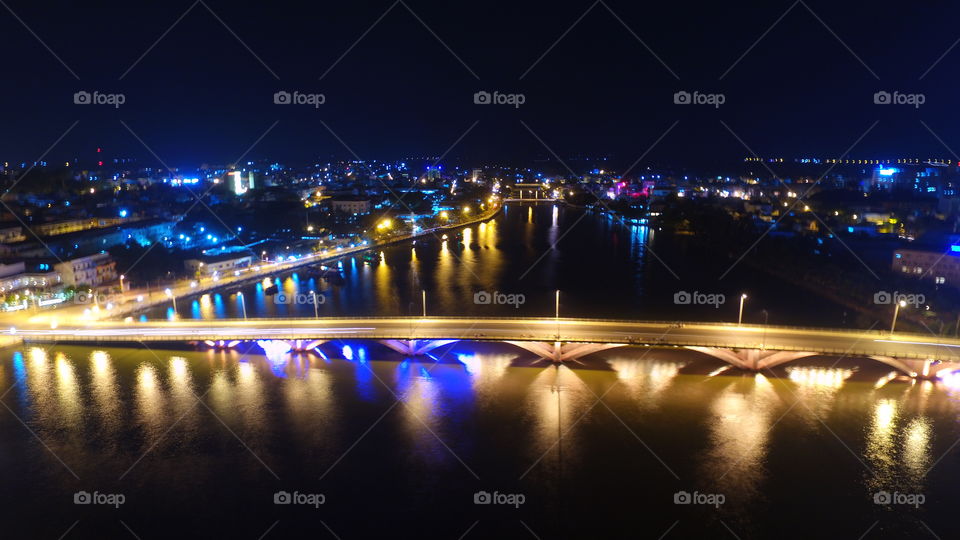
(241, 183)
(55, 228)
(92, 270)
(12, 234)
(70, 244)
(350, 206)
(221, 263)
(937, 266)
(16, 276)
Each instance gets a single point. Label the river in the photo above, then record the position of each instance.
(179, 442)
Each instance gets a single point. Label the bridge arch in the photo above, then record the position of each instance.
(759, 360)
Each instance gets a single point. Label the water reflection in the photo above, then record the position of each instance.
(103, 379)
(739, 423)
(647, 379)
(746, 436)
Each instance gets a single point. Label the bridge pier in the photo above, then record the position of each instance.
(559, 352)
(759, 360)
(752, 359)
(415, 347)
(304, 345)
(918, 369)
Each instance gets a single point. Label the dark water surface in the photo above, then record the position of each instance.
(399, 448)
(199, 443)
(602, 268)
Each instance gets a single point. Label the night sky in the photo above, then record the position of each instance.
(205, 95)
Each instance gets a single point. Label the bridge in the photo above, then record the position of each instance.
(529, 192)
(748, 347)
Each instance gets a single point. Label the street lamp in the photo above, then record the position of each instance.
(896, 311)
(243, 304)
(740, 315)
(316, 312)
(423, 301)
(766, 320)
(556, 311)
(121, 283)
(170, 295)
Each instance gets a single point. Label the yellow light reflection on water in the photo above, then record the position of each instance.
(819, 377)
(646, 379)
(182, 396)
(68, 394)
(916, 447)
(104, 389)
(149, 399)
(740, 421)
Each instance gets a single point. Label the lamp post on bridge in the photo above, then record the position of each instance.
(556, 313)
(423, 301)
(896, 311)
(316, 312)
(766, 320)
(740, 314)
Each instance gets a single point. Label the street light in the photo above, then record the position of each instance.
(423, 301)
(740, 315)
(896, 311)
(170, 295)
(121, 283)
(766, 320)
(316, 312)
(556, 313)
(243, 304)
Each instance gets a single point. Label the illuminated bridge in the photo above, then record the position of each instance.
(746, 347)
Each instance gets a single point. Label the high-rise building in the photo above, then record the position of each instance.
(240, 184)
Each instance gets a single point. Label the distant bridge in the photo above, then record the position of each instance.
(749, 347)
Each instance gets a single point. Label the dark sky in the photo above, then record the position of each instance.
(201, 96)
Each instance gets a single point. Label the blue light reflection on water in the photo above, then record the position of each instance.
(20, 372)
(218, 307)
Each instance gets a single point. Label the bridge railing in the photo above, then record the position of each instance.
(540, 320)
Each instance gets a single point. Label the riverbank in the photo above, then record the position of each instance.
(128, 308)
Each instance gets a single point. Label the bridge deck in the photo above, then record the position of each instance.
(656, 333)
